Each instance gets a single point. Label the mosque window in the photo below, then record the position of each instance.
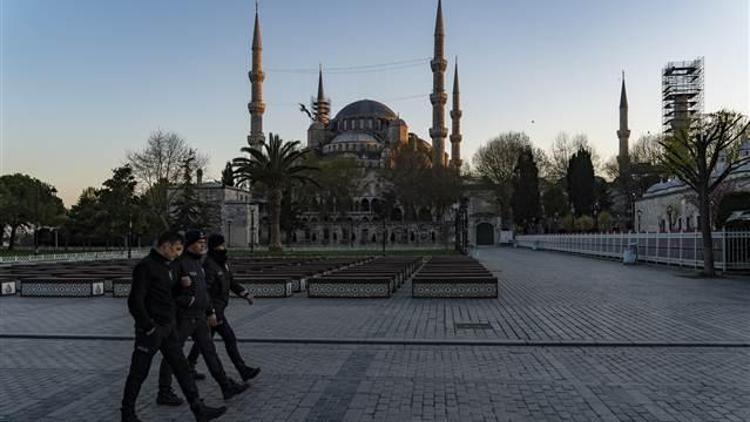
(369, 123)
(361, 123)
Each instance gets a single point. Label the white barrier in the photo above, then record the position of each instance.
(731, 249)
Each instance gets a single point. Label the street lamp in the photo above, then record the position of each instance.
(252, 229)
(229, 233)
(669, 217)
(639, 220)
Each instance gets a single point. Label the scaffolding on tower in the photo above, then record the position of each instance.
(682, 93)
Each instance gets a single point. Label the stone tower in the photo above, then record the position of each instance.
(623, 158)
(321, 105)
(256, 105)
(456, 123)
(438, 98)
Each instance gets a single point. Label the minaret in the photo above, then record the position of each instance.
(438, 98)
(256, 105)
(623, 133)
(321, 105)
(456, 121)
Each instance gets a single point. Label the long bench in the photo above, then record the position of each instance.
(267, 286)
(454, 277)
(62, 287)
(350, 287)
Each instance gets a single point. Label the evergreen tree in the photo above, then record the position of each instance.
(227, 175)
(189, 212)
(525, 198)
(581, 182)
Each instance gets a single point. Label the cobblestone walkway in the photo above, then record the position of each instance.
(612, 343)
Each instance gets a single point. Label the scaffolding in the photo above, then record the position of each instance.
(682, 93)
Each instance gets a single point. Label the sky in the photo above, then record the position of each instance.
(82, 82)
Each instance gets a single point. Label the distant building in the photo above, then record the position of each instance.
(669, 206)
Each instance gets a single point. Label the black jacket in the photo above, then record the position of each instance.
(191, 301)
(150, 300)
(220, 282)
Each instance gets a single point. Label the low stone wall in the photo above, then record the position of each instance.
(350, 287)
(454, 288)
(62, 287)
(268, 287)
(7, 287)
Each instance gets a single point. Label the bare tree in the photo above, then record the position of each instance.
(693, 153)
(157, 167)
(647, 150)
(563, 147)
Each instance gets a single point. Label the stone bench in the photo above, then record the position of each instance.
(62, 287)
(267, 287)
(350, 287)
(454, 287)
(7, 287)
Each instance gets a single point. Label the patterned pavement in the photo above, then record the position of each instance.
(569, 338)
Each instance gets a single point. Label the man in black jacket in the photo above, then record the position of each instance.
(194, 314)
(220, 281)
(152, 305)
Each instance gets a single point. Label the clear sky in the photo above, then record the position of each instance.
(85, 81)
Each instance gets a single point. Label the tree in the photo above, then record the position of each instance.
(28, 203)
(647, 150)
(525, 197)
(554, 201)
(693, 154)
(86, 220)
(189, 211)
(581, 183)
(496, 160)
(276, 166)
(227, 175)
(158, 167)
(117, 198)
(563, 147)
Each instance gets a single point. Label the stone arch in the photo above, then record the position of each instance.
(485, 234)
(364, 205)
(397, 214)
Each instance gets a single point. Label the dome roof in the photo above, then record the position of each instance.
(354, 137)
(366, 108)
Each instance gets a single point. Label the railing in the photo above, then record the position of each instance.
(731, 249)
(71, 257)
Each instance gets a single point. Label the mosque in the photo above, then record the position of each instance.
(369, 132)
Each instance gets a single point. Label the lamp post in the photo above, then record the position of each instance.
(252, 230)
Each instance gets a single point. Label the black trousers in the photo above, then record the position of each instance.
(197, 328)
(166, 340)
(230, 343)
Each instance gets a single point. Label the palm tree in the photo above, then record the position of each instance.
(275, 166)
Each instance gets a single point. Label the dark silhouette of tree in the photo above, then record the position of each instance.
(26, 202)
(525, 198)
(580, 178)
(227, 175)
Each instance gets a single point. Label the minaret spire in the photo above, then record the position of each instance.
(456, 120)
(321, 105)
(256, 107)
(438, 98)
(623, 133)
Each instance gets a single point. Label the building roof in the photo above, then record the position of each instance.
(354, 137)
(366, 108)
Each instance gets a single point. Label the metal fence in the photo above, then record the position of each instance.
(71, 257)
(731, 248)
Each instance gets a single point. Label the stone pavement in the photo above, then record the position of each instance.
(570, 339)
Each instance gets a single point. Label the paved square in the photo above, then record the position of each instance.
(570, 338)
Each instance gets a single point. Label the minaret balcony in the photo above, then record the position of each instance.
(439, 64)
(438, 98)
(438, 132)
(256, 76)
(256, 107)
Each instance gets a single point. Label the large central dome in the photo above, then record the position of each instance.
(366, 108)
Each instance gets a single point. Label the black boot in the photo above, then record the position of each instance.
(196, 375)
(167, 397)
(232, 388)
(129, 416)
(205, 413)
(247, 373)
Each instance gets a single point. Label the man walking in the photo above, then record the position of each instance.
(220, 281)
(194, 314)
(153, 307)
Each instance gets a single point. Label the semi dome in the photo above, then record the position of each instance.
(366, 108)
(354, 137)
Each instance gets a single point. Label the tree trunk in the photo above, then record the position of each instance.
(12, 238)
(708, 250)
(275, 211)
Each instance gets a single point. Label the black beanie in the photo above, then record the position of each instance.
(215, 240)
(192, 236)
